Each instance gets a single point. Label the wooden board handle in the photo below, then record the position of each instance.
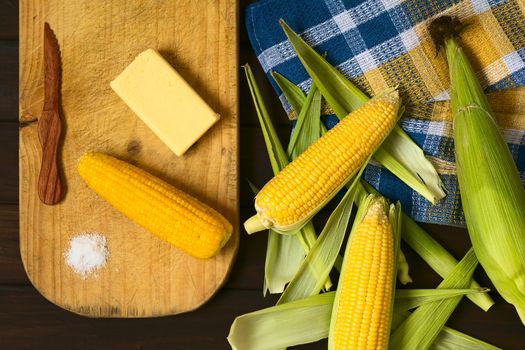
(49, 182)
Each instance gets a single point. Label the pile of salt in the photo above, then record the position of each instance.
(87, 252)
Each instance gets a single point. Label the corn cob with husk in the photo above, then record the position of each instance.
(362, 308)
(492, 194)
(398, 153)
(162, 209)
(303, 187)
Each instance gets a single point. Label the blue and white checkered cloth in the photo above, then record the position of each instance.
(380, 43)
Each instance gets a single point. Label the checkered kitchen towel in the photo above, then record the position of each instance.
(380, 43)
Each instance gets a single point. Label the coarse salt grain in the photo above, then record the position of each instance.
(87, 252)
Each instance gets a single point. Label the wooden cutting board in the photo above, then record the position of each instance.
(144, 276)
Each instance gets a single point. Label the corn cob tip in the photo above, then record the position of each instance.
(87, 156)
(378, 207)
(389, 95)
(254, 224)
(83, 157)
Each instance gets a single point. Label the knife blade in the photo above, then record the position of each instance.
(49, 124)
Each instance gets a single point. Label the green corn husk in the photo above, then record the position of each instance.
(422, 327)
(433, 253)
(307, 129)
(298, 322)
(448, 338)
(399, 153)
(308, 320)
(283, 256)
(492, 193)
(294, 95)
(407, 299)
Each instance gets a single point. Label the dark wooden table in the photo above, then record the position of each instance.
(28, 321)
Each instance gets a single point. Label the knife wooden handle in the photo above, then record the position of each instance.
(49, 182)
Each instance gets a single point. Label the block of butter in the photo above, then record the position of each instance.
(164, 101)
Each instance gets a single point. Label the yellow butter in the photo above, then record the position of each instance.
(164, 101)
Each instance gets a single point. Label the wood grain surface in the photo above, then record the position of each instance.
(144, 276)
(28, 321)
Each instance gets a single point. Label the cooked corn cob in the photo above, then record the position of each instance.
(165, 211)
(492, 194)
(363, 303)
(295, 194)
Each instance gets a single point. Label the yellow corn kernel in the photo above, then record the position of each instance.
(293, 196)
(362, 308)
(162, 209)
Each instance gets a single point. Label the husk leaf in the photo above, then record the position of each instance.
(422, 327)
(308, 320)
(283, 256)
(407, 299)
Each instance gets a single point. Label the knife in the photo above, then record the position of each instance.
(49, 124)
